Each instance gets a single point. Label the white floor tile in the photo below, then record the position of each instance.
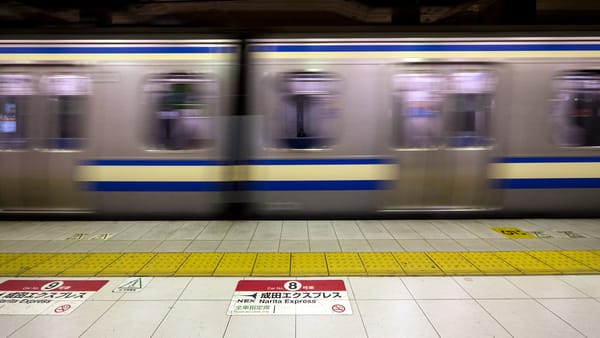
(415, 245)
(482, 287)
(321, 230)
(241, 231)
(476, 245)
(373, 230)
(265, 327)
(454, 229)
(506, 244)
(233, 246)
(203, 246)
(354, 245)
(189, 231)
(294, 230)
(143, 246)
(268, 231)
(325, 245)
(428, 230)
(160, 288)
(537, 244)
(263, 246)
(81, 246)
(528, 319)
(590, 285)
(545, 287)
(215, 230)
(9, 324)
(161, 231)
(113, 246)
(106, 293)
(130, 319)
(72, 325)
(461, 318)
(384, 245)
(195, 319)
(582, 314)
(434, 288)
(445, 245)
(172, 246)
(394, 318)
(293, 246)
(343, 326)
(369, 288)
(347, 230)
(210, 288)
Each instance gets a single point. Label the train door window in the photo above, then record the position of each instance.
(16, 91)
(181, 110)
(68, 97)
(417, 110)
(308, 116)
(576, 109)
(468, 104)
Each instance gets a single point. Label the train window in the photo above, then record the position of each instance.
(417, 110)
(468, 108)
(68, 97)
(181, 113)
(308, 115)
(15, 93)
(576, 109)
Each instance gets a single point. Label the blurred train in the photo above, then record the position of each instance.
(294, 124)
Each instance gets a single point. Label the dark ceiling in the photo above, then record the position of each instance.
(272, 13)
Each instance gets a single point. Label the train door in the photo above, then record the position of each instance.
(441, 137)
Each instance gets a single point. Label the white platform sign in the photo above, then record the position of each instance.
(45, 297)
(133, 284)
(290, 297)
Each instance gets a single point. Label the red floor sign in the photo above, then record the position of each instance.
(285, 297)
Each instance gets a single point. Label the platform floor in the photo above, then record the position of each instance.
(559, 303)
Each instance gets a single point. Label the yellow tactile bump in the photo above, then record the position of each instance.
(272, 264)
(163, 264)
(309, 264)
(560, 262)
(453, 263)
(23, 263)
(127, 265)
(525, 263)
(589, 258)
(344, 264)
(200, 264)
(417, 263)
(91, 265)
(489, 264)
(5, 257)
(380, 264)
(236, 264)
(55, 265)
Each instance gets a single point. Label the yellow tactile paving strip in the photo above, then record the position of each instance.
(300, 263)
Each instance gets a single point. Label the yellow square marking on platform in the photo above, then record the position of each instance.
(127, 265)
(514, 233)
(584, 257)
(23, 263)
(560, 262)
(5, 257)
(309, 264)
(200, 264)
(525, 263)
(380, 264)
(55, 265)
(236, 264)
(344, 264)
(417, 263)
(453, 263)
(91, 265)
(490, 264)
(272, 264)
(163, 264)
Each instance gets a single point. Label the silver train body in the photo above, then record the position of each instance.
(300, 126)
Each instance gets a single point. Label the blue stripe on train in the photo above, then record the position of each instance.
(315, 185)
(427, 48)
(155, 162)
(546, 183)
(118, 50)
(317, 161)
(546, 159)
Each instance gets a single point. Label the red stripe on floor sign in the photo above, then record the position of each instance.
(52, 285)
(291, 285)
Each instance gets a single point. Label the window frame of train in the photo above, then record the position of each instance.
(175, 111)
(435, 90)
(68, 97)
(292, 124)
(572, 125)
(16, 96)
